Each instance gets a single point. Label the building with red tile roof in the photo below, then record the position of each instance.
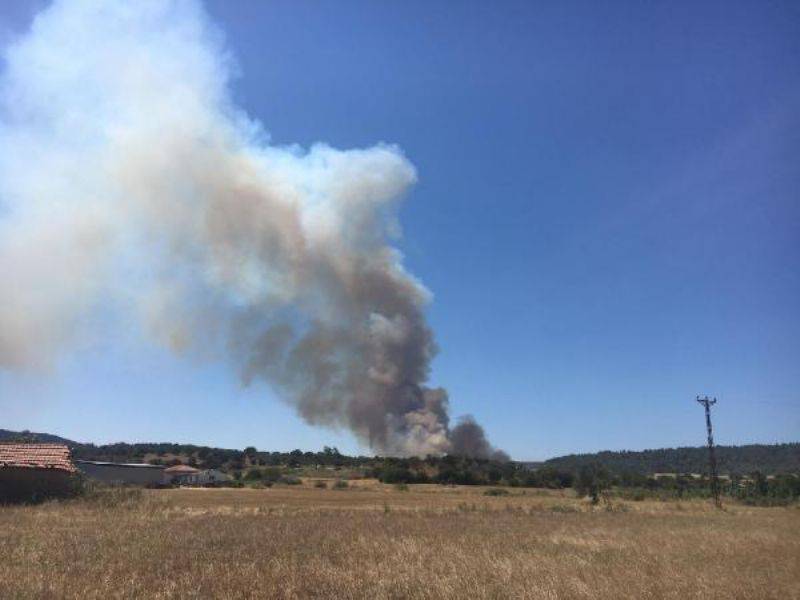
(36, 456)
(30, 472)
(178, 473)
(181, 470)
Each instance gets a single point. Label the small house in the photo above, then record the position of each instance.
(35, 471)
(178, 473)
(207, 477)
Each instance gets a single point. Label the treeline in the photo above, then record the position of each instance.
(629, 468)
(158, 453)
(732, 460)
(462, 470)
(214, 458)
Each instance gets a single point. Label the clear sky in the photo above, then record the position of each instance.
(607, 214)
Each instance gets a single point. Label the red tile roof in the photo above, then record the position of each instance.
(180, 470)
(36, 456)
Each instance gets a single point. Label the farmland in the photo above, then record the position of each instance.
(372, 540)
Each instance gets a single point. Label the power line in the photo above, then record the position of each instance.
(712, 458)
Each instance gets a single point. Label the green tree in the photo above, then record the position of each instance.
(592, 480)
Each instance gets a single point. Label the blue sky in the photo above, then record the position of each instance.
(607, 213)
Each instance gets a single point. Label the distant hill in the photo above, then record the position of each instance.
(769, 459)
(44, 438)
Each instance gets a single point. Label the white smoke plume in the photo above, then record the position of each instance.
(129, 178)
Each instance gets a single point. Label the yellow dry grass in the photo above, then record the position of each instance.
(373, 541)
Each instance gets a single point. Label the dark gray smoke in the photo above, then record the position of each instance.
(467, 438)
(129, 179)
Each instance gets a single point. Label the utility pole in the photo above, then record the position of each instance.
(712, 458)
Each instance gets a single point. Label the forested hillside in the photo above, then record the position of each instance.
(30, 436)
(768, 459)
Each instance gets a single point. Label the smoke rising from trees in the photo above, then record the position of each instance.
(129, 179)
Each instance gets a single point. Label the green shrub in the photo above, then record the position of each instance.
(253, 475)
(395, 474)
(340, 484)
(496, 492)
(272, 474)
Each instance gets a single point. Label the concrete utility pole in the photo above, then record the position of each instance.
(712, 458)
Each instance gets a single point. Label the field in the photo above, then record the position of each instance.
(377, 541)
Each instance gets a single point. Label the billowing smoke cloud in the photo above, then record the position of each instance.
(130, 182)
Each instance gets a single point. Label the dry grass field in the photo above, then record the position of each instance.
(375, 541)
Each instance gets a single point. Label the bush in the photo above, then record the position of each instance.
(638, 495)
(401, 487)
(290, 480)
(496, 492)
(321, 484)
(340, 484)
(272, 474)
(253, 475)
(395, 474)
